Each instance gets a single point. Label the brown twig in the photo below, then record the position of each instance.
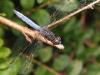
(28, 32)
(57, 23)
(46, 67)
(35, 61)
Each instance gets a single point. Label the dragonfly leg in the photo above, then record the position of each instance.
(27, 37)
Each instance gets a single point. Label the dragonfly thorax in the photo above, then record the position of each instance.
(50, 36)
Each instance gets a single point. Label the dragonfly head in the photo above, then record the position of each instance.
(57, 40)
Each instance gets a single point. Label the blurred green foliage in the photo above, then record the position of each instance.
(81, 39)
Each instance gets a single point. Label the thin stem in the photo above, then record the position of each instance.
(46, 67)
(57, 23)
(34, 61)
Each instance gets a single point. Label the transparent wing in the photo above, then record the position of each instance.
(27, 20)
(26, 54)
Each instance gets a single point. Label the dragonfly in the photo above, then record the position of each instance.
(56, 40)
(42, 30)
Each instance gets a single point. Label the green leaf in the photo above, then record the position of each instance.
(7, 7)
(45, 54)
(96, 52)
(1, 31)
(40, 71)
(50, 73)
(80, 50)
(70, 25)
(40, 1)
(93, 69)
(5, 63)
(76, 67)
(1, 42)
(4, 52)
(86, 35)
(66, 5)
(61, 62)
(12, 69)
(41, 16)
(27, 4)
(96, 37)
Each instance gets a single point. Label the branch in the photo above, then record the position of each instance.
(46, 67)
(66, 18)
(35, 61)
(28, 32)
